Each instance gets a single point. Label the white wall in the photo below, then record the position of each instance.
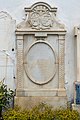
(68, 13)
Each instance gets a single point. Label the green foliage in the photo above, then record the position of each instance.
(41, 112)
(66, 114)
(5, 96)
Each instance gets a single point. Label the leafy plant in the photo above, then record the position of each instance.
(41, 112)
(5, 96)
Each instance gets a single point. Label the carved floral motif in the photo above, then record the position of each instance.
(40, 18)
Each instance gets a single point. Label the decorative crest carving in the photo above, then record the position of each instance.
(40, 16)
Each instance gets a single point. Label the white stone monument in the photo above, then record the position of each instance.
(40, 58)
(76, 105)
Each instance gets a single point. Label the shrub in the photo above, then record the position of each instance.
(66, 114)
(41, 112)
(5, 97)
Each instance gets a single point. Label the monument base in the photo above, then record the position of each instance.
(55, 98)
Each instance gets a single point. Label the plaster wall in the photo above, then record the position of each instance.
(68, 13)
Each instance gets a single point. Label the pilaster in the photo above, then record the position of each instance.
(61, 60)
(19, 62)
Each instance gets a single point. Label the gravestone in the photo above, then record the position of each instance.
(76, 104)
(40, 58)
(7, 43)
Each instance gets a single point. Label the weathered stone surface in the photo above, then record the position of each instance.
(29, 102)
(7, 29)
(76, 105)
(7, 43)
(40, 57)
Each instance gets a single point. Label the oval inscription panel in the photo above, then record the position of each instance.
(40, 63)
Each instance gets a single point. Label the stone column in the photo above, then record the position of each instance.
(61, 60)
(78, 56)
(19, 62)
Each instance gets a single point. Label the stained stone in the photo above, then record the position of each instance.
(40, 58)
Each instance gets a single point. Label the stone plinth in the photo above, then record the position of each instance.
(29, 102)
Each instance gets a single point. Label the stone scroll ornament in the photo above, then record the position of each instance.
(40, 18)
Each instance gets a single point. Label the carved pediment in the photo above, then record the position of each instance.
(41, 16)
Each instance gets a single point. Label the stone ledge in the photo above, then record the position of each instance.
(41, 92)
